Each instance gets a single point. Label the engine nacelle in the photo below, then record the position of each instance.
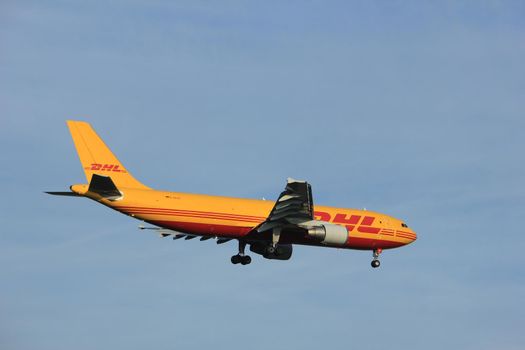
(281, 251)
(327, 233)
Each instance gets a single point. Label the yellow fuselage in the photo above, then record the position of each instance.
(229, 217)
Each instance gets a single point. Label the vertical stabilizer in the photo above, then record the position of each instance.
(97, 158)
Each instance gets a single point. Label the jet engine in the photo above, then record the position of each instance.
(327, 233)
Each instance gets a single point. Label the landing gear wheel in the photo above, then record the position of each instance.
(236, 259)
(375, 262)
(245, 260)
(270, 250)
(241, 259)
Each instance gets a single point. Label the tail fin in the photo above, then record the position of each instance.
(97, 158)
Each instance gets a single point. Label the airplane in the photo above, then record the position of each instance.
(270, 229)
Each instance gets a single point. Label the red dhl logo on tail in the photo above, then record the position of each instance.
(105, 167)
(350, 221)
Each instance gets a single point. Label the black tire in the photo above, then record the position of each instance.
(246, 260)
(236, 259)
(270, 250)
(375, 263)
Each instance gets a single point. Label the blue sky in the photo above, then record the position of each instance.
(415, 109)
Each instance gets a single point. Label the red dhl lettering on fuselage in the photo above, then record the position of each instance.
(363, 223)
(106, 167)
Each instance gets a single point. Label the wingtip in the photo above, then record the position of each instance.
(292, 180)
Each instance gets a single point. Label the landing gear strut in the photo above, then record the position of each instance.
(276, 235)
(375, 262)
(240, 258)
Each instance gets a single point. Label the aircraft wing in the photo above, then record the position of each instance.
(294, 206)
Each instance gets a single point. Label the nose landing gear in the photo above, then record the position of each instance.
(375, 262)
(241, 258)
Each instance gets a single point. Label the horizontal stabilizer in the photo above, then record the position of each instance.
(69, 194)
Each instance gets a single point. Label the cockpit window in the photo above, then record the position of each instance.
(404, 225)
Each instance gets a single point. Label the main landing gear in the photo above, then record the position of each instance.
(273, 248)
(240, 258)
(375, 262)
